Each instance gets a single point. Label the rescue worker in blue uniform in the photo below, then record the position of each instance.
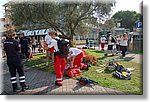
(24, 41)
(11, 46)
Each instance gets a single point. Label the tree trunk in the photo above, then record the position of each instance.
(72, 33)
(72, 43)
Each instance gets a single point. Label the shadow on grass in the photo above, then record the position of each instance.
(106, 71)
(96, 51)
(128, 58)
(114, 76)
(40, 64)
(102, 58)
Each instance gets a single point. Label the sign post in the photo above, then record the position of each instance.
(139, 25)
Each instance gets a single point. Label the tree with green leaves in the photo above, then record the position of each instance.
(64, 17)
(126, 18)
(110, 24)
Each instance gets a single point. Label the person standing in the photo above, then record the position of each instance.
(30, 52)
(118, 43)
(34, 43)
(87, 42)
(48, 39)
(124, 44)
(41, 41)
(110, 45)
(102, 42)
(59, 56)
(11, 46)
(24, 41)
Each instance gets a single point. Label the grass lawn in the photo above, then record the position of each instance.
(133, 86)
(39, 62)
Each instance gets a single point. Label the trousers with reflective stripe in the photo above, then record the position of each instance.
(15, 65)
(59, 67)
(14, 80)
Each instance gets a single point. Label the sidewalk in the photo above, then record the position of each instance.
(138, 58)
(42, 83)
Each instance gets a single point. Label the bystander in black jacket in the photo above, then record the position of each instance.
(24, 41)
(14, 62)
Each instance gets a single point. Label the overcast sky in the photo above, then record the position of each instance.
(132, 5)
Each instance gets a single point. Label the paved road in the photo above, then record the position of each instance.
(43, 83)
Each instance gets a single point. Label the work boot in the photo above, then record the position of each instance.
(25, 87)
(16, 89)
(58, 84)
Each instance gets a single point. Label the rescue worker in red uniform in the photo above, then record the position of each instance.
(59, 61)
(76, 56)
(14, 62)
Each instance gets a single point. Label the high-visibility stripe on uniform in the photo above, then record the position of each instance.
(59, 79)
(14, 82)
(13, 78)
(22, 80)
(60, 82)
(22, 77)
